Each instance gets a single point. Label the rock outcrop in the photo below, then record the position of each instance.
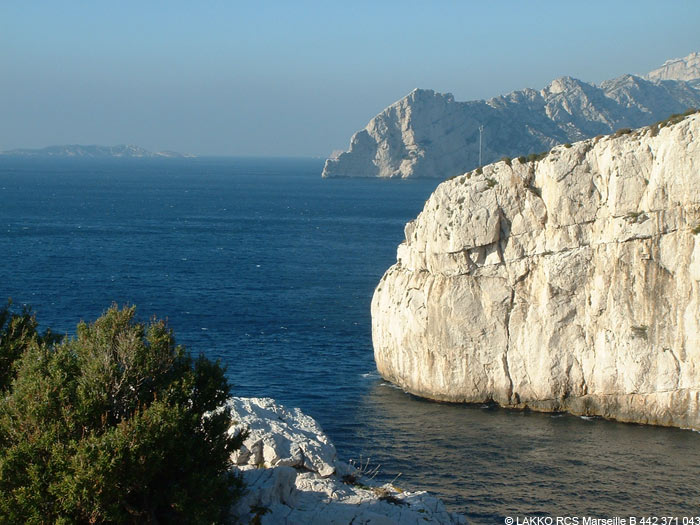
(293, 477)
(687, 68)
(571, 283)
(429, 134)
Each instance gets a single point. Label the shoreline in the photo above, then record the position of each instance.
(293, 476)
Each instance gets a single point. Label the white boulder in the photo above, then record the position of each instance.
(293, 477)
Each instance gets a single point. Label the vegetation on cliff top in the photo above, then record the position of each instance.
(117, 424)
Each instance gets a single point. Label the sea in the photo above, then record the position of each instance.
(267, 267)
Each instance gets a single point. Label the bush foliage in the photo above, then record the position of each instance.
(17, 332)
(116, 425)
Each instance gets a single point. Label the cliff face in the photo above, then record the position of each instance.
(428, 134)
(687, 68)
(571, 283)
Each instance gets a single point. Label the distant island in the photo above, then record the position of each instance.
(124, 151)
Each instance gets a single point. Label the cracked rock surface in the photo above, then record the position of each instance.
(571, 283)
(293, 477)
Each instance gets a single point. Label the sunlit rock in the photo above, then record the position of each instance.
(293, 477)
(429, 134)
(567, 283)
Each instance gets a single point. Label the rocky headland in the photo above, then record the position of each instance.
(429, 134)
(293, 477)
(687, 68)
(570, 282)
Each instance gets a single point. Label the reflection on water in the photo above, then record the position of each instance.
(495, 462)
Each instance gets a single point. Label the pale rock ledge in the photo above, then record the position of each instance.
(571, 283)
(293, 477)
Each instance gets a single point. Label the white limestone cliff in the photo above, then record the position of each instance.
(567, 284)
(293, 477)
(429, 134)
(686, 68)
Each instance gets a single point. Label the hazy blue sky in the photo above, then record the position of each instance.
(297, 77)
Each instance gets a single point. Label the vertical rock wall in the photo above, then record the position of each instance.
(570, 283)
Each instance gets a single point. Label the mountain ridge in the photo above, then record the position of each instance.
(429, 134)
(686, 68)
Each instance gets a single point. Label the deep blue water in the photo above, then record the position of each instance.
(268, 267)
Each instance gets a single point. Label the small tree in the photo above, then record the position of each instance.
(17, 332)
(116, 425)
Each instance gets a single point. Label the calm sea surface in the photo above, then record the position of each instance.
(264, 265)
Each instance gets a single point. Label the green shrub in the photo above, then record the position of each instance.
(640, 332)
(17, 332)
(506, 160)
(622, 131)
(522, 159)
(675, 118)
(636, 217)
(534, 157)
(567, 145)
(116, 425)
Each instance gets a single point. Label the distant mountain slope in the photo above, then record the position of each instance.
(93, 152)
(687, 68)
(429, 134)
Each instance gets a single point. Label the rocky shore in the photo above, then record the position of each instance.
(293, 477)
